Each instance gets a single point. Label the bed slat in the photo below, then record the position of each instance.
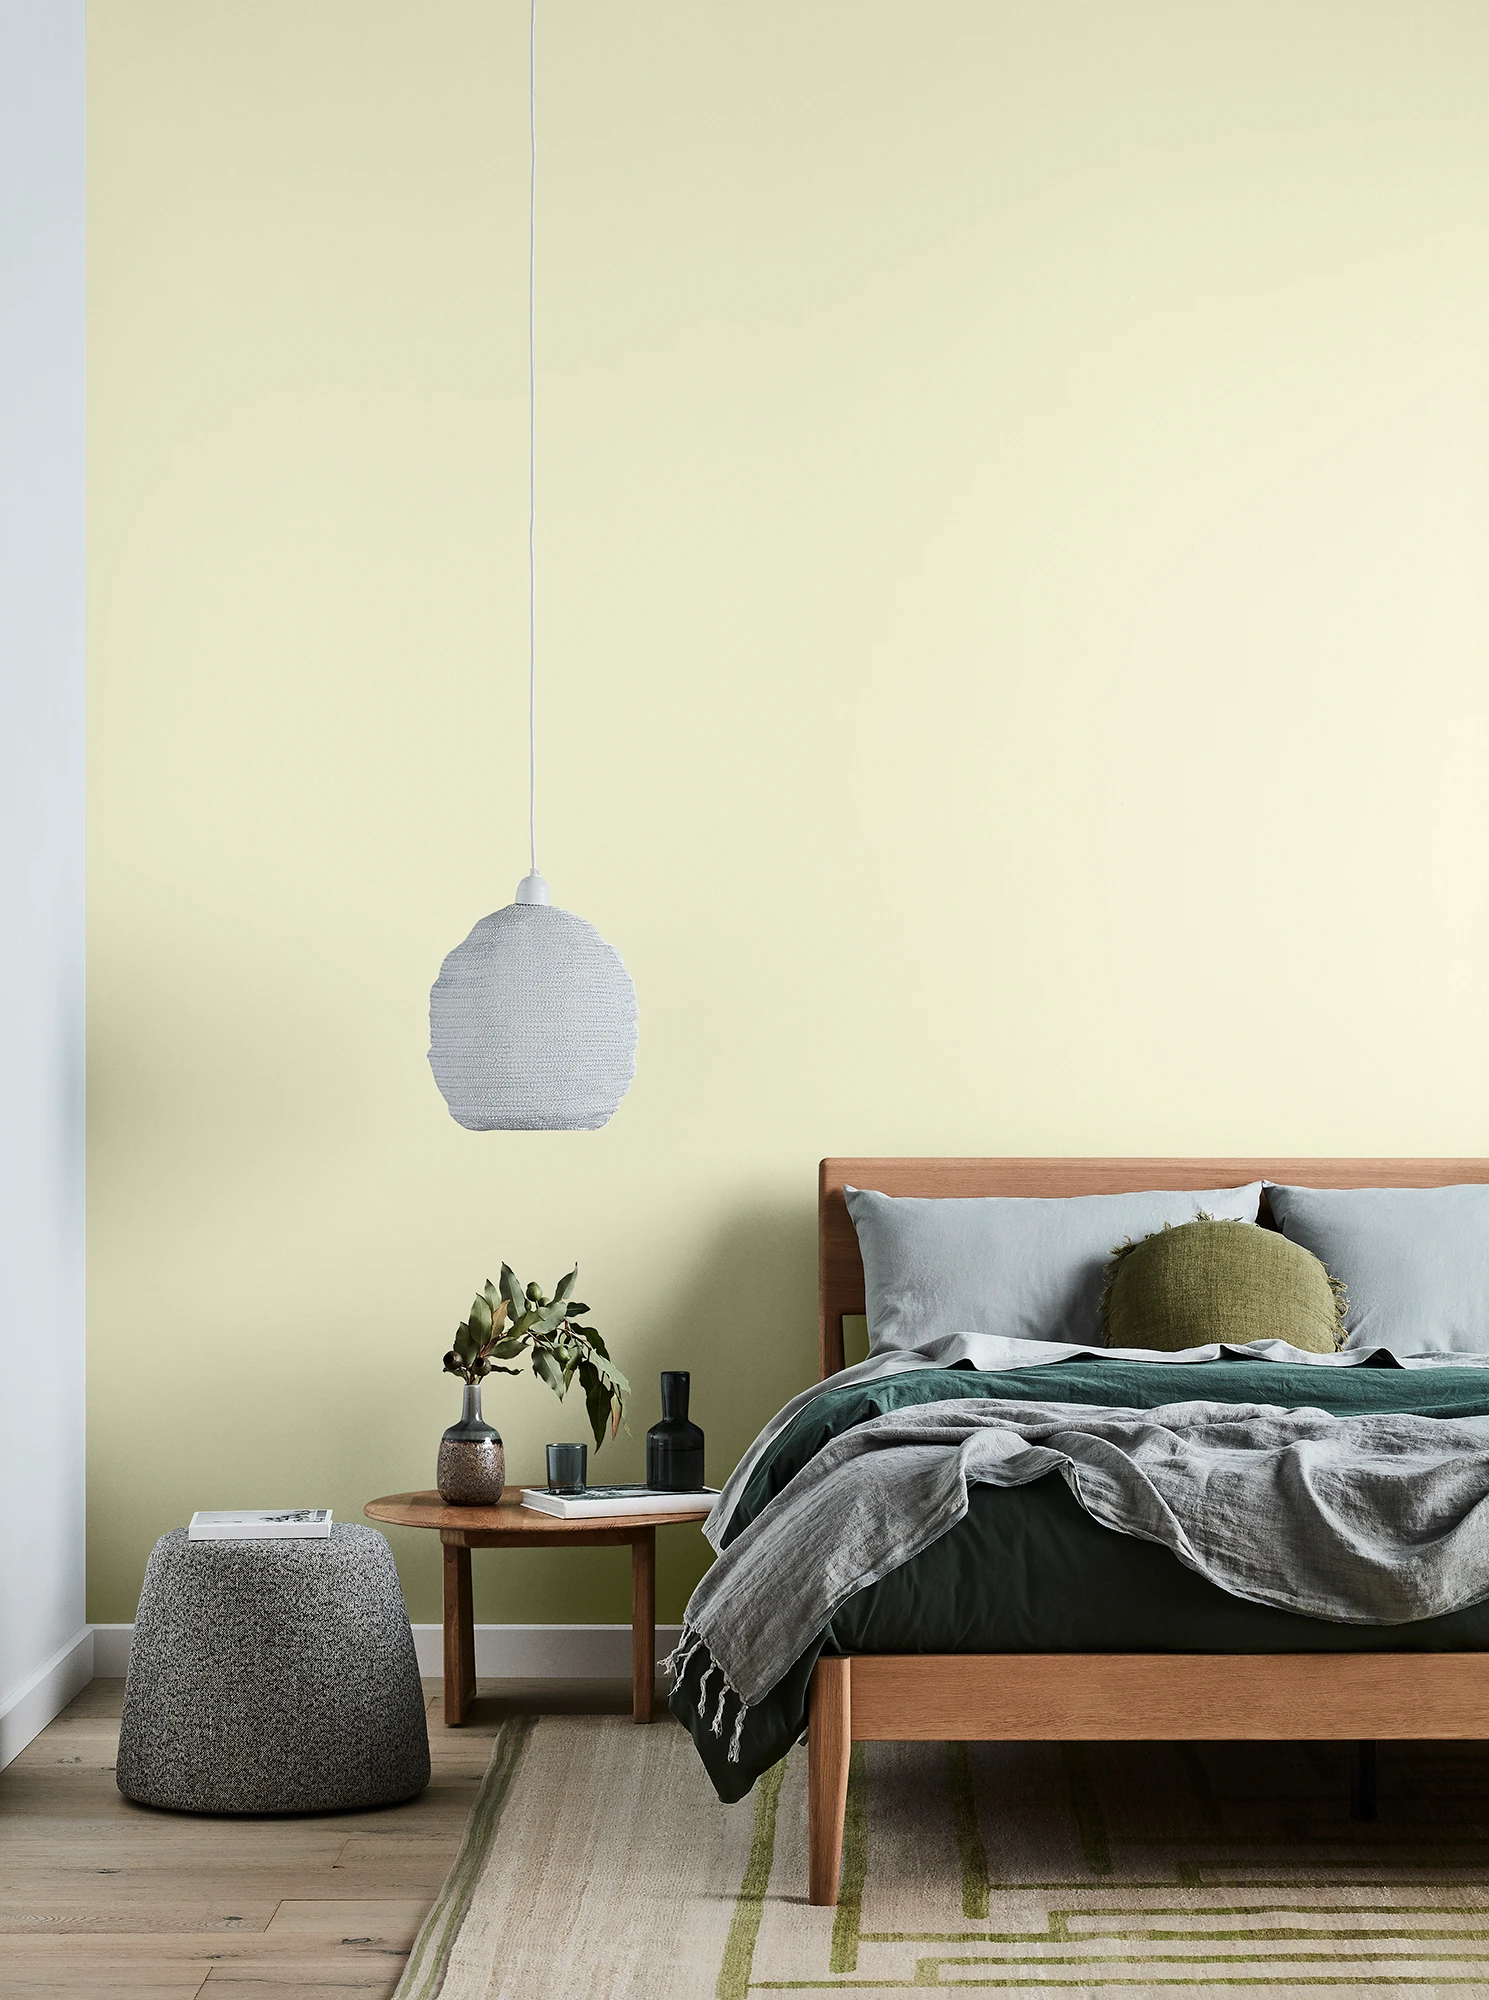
(1167, 1697)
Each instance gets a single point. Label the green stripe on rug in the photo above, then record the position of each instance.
(924, 1979)
(1086, 1805)
(849, 1913)
(739, 1946)
(424, 1974)
(969, 1847)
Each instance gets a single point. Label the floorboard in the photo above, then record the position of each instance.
(104, 1900)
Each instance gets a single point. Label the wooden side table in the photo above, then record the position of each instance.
(510, 1525)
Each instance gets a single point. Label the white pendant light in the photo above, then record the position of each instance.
(532, 1021)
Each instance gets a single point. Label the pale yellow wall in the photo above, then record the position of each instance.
(1014, 625)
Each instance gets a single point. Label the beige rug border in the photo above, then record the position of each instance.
(424, 1974)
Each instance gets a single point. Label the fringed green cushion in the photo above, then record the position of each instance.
(1208, 1281)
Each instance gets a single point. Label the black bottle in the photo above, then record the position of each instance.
(674, 1447)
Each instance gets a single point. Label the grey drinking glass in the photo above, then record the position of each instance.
(566, 1467)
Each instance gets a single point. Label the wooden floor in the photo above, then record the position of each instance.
(100, 1897)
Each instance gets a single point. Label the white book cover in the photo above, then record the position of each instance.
(595, 1502)
(261, 1524)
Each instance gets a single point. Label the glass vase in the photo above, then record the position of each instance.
(472, 1463)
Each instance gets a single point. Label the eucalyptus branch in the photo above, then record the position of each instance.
(510, 1319)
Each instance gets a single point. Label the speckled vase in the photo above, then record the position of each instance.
(472, 1463)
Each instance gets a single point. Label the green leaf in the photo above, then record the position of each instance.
(524, 1324)
(566, 1286)
(505, 1349)
(577, 1311)
(492, 1369)
(466, 1344)
(493, 1296)
(608, 1372)
(602, 1402)
(512, 1291)
(547, 1370)
(597, 1403)
(596, 1343)
(480, 1317)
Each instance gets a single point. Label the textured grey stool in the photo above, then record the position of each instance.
(273, 1677)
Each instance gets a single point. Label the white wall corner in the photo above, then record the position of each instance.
(45, 1646)
(45, 1694)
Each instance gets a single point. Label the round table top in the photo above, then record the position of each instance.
(509, 1517)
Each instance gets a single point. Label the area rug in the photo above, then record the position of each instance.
(598, 1865)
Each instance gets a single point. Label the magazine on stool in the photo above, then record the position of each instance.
(261, 1524)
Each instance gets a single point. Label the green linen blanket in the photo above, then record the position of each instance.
(1377, 1519)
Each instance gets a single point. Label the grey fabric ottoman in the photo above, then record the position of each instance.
(273, 1677)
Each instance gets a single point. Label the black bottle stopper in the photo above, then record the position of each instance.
(674, 1447)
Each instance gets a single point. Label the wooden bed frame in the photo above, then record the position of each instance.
(1066, 1697)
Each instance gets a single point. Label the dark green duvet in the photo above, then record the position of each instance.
(1029, 1571)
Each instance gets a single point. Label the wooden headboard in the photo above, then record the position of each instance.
(840, 1268)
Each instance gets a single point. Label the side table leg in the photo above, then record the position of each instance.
(460, 1636)
(643, 1623)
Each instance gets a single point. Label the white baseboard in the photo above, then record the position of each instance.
(111, 1644)
(503, 1652)
(544, 1652)
(45, 1694)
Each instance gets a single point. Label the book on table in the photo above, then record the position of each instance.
(596, 1502)
(261, 1524)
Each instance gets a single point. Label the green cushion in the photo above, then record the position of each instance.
(1209, 1281)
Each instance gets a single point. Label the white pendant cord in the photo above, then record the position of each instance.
(532, 437)
(532, 888)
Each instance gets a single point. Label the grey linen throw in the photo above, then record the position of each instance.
(1364, 1520)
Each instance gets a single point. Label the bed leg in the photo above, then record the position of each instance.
(1362, 1781)
(829, 1741)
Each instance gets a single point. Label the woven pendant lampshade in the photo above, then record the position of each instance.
(532, 1021)
(532, 1024)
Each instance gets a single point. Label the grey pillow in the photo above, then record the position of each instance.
(1415, 1261)
(1029, 1268)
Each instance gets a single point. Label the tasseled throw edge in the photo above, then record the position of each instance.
(677, 1663)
